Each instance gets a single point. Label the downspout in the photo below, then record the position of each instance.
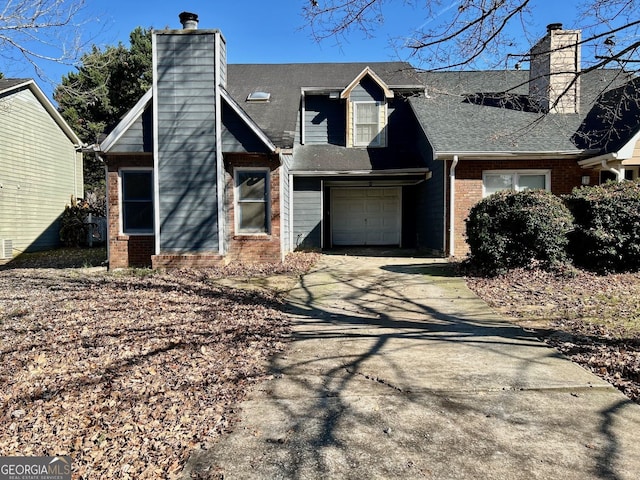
(97, 151)
(615, 171)
(452, 205)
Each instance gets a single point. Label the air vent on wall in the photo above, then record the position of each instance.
(6, 248)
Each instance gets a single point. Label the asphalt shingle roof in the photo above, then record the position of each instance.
(489, 111)
(7, 83)
(277, 117)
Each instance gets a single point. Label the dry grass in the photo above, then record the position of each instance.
(593, 319)
(128, 372)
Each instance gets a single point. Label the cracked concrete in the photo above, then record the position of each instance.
(397, 370)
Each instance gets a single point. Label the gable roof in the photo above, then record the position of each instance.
(488, 112)
(367, 72)
(9, 86)
(285, 82)
(125, 123)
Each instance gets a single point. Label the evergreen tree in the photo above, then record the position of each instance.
(107, 84)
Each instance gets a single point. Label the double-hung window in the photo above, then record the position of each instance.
(252, 201)
(137, 201)
(367, 131)
(495, 180)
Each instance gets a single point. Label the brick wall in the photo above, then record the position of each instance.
(263, 248)
(565, 175)
(125, 250)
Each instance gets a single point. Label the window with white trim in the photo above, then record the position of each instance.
(496, 180)
(252, 201)
(367, 131)
(136, 187)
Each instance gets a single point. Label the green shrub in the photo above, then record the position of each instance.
(518, 229)
(607, 232)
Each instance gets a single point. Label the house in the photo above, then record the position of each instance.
(220, 163)
(40, 168)
(544, 128)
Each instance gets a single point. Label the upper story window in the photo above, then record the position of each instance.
(367, 126)
(495, 180)
(137, 201)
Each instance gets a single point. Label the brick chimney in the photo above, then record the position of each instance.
(554, 81)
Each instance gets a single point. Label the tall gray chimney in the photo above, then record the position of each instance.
(189, 67)
(554, 80)
(189, 20)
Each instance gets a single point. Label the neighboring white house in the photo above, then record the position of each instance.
(40, 168)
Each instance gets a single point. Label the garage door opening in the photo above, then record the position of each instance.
(366, 216)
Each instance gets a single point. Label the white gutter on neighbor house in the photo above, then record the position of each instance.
(603, 161)
(452, 203)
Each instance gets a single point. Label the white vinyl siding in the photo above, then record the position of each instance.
(40, 171)
(496, 180)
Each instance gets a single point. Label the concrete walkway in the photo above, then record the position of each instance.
(396, 370)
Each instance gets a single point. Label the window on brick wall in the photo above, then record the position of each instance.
(137, 201)
(252, 201)
(495, 180)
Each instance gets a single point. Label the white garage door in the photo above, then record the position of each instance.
(366, 216)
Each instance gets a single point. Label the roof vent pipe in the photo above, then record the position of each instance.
(189, 20)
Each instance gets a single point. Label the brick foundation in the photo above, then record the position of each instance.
(195, 260)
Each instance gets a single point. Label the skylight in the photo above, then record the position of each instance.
(259, 97)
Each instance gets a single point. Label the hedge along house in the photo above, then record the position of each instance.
(40, 168)
(222, 163)
(552, 127)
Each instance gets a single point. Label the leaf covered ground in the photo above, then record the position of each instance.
(592, 319)
(128, 372)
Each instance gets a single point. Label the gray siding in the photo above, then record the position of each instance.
(307, 213)
(185, 97)
(237, 136)
(431, 203)
(139, 137)
(367, 90)
(39, 173)
(325, 120)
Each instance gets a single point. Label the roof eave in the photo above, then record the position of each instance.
(51, 110)
(248, 120)
(126, 122)
(511, 155)
(334, 173)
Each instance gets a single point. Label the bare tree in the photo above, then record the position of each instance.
(41, 31)
(498, 34)
(462, 33)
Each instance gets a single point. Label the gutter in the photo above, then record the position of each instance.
(603, 162)
(488, 155)
(452, 203)
(331, 173)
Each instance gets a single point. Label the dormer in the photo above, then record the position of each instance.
(355, 116)
(366, 103)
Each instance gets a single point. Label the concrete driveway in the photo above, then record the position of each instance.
(397, 370)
